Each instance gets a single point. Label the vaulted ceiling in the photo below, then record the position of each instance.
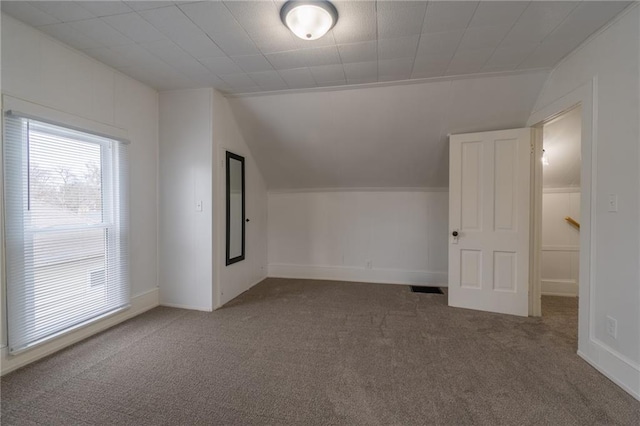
(241, 46)
(379, 93)
(387, 136)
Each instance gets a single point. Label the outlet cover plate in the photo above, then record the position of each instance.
(612, 327)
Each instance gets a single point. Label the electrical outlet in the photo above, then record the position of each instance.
(612, 327)
(369, 264)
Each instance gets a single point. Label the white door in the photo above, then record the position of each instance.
(489, 199)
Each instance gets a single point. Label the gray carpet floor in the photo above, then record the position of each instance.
(323, 353)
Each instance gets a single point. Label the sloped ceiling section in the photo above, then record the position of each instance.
(377, 137)
(562, 139)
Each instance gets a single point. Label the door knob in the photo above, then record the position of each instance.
(247, 220)
(454, 233)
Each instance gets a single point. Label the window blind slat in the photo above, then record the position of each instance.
(66, 220)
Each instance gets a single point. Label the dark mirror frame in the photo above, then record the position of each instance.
(232, 156)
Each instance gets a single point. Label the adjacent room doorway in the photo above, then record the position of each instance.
(559, 249)
(514, 216)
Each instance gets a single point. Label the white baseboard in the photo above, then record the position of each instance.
(616, 367)
(139, 304)
(347, 273)
(190, 307)
(566, 288)
(226, 298)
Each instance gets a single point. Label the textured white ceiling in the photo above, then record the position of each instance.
(241, 46)
(562, 146)
(388, 136)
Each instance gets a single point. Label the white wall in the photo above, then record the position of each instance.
(332, 235)
(185, 249)
(560, 242)
(196, 128)
(236, 278)
(612, 59)
(50, 76)
(562, 143)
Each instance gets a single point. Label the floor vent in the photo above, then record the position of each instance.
(432, 290)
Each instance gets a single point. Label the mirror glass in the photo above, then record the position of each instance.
(235, 208)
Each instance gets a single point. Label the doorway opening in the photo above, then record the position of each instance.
(559, 249)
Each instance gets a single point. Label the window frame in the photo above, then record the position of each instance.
(111, 177)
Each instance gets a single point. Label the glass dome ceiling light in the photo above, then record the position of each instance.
(309, 20)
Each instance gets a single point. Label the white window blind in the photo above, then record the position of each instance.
(66, 229)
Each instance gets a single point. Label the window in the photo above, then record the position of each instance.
(66, 229)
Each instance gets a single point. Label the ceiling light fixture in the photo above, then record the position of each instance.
(309, 20)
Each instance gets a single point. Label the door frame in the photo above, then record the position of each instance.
(584, 96)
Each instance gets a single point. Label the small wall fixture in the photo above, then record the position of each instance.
(309, 20)
(545, 158)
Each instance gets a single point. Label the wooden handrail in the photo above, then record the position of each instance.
(572, 221)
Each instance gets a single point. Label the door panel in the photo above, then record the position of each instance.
(471, 197)
(504, 270)
(489, 209)
(471, 268)
(505, 160)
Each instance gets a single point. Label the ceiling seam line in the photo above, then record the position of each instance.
(263, 54)
(561, 22)
(181, 48)
(344, 73)
(212, 41)
(461, 38)
(551, 32)
(172, 67)
(415, 53)
(505, 36)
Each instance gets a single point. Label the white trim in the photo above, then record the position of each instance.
(624, 359)
(566, 288)
(582, 94)
(585, 95)
(49, 114)
(590, 179)
(218, 209)
(365, 189)
(535, 225)
(560, 248)
(243, 291)
(389, 83)
(617, 368)
(3, 269)
(139, 304)
(354, 274)
(190, 307)
(567, 190)
(20, 114)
